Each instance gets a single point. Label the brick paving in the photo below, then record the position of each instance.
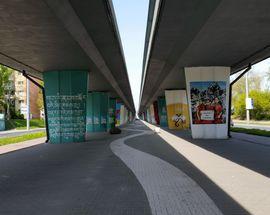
(157, 173)
(238, 168)
(169, 190)
(79, 178)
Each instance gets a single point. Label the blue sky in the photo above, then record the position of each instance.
(131, 18)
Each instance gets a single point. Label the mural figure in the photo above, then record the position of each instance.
(208, 102)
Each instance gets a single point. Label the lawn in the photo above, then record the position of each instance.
(10, 140)
(251, 131)
(21, 124)
(255, 122)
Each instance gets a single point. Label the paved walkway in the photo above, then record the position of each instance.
(21, 145)
(245, 179)
(137, 172)
(168, 189)
(248, 138)
(76, 178)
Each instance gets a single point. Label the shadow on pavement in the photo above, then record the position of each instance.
(155, 145)
(75, 178)
(255, 157)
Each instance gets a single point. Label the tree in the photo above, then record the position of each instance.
(261, 100)
(268, 78)
(254, 81)
(6, 90)
(239, 88)
(40, 103)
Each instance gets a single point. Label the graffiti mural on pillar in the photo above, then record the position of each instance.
(117, 112)
(208, 102)
(177, 109)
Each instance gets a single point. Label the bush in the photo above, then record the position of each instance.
(15, 114)
(261, 101)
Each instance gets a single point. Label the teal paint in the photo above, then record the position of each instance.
(97, 111)
(148, 115)
(65, 93)
(162, 112)
(111, 113)
(2, 122)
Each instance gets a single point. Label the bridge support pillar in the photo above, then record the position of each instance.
(97, 112)
(65, 93)
(123, 115)
(177, 109)
(155, 104)
(118, 112)
(152, 114)
(162, 111)
(148, 116)
(111, 113)
(208, 99)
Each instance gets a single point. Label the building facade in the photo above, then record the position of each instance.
(20, 85)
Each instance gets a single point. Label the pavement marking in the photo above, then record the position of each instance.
(169, 190)
(248, 188)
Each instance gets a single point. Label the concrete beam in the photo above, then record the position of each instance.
(73, 25)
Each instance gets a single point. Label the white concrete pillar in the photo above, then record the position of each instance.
(208, 99)
(177, 109)
(152, 114)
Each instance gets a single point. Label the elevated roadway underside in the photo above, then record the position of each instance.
(201, 33)
(39, 36)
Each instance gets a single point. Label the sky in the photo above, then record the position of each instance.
(260, 69)
(131, 16)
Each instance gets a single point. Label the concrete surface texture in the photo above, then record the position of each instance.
(65, 35)
(137, 172)
(168, 189)
(250, 188)
(200, 33)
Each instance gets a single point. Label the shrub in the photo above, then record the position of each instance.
(261, 101)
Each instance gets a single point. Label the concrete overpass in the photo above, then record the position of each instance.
(60, 35)
(183, 34)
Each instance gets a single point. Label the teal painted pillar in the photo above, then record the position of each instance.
(65, 93)
(111, 113)
(162, 112)
(97, 111)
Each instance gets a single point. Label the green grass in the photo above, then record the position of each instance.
(255, 122)
(21, 124)
(253, 131)
(10, 140)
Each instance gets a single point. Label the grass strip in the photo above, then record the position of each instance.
(21, 138)
(21, 124)
(253, 131)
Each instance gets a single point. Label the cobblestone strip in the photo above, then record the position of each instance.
(169, 190)
(248, 188)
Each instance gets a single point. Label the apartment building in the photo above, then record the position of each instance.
(21, 95)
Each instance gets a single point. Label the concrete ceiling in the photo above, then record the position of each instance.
(203, 33)
(44, 35)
